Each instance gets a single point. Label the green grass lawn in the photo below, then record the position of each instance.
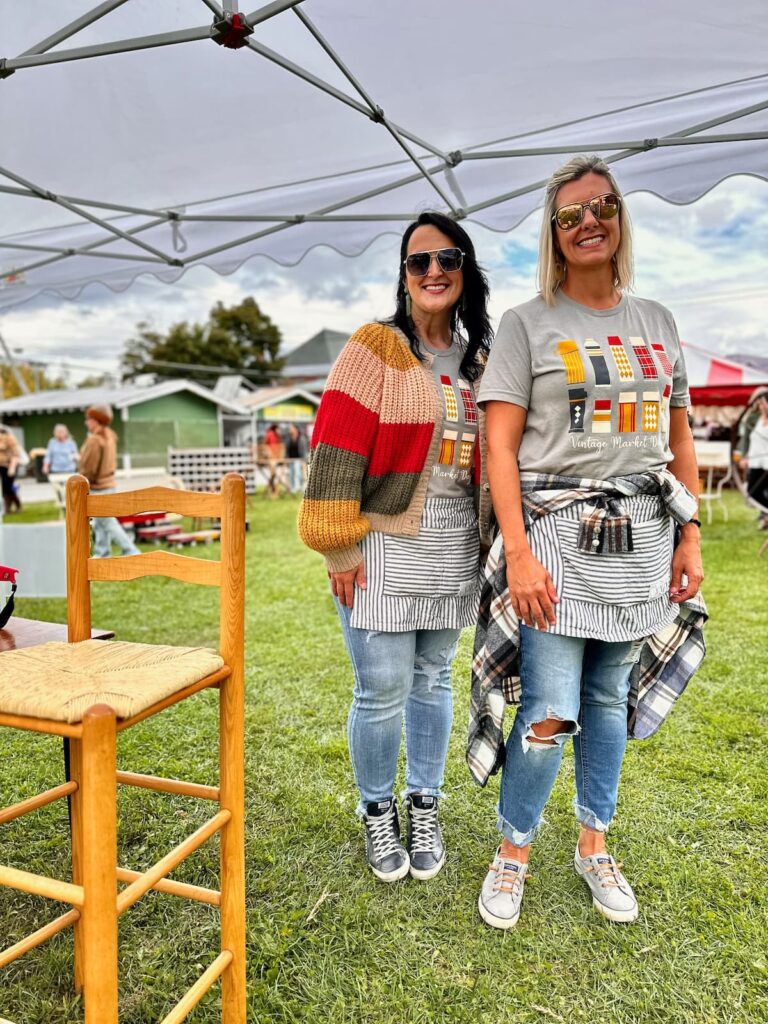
(326, 942)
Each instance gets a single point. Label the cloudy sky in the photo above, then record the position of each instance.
(706, 261)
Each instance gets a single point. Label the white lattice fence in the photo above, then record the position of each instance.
(201, 469)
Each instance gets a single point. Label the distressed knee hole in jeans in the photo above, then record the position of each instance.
(533, 740)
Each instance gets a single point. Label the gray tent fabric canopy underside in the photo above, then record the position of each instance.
(132, 143)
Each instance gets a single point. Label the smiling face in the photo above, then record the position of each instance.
(592, 243)
(437, 292)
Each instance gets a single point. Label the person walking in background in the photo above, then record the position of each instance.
(390, 501)
(98, 462)
(296, 453)
(593, 474)
(9, 464)
(61, 454)
(756, 461)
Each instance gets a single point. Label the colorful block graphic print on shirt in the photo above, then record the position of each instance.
(453, 471)
(597, 384)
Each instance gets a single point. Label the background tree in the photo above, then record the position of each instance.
(34, 377)
(237, 337)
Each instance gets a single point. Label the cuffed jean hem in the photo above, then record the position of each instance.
(515, 836)
(589, 819)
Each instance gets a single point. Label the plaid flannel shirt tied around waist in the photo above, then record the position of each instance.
(668, 659)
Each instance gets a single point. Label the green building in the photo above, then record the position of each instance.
(147, 420)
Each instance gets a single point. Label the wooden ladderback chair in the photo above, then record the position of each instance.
(88, 691)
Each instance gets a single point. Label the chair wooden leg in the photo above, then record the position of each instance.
(76, 834)
(232, 798)
(99, 864)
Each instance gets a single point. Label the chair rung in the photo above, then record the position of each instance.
(147, 880)
(41, 885)
(46, 725)
(166, 786)
(35, 802)
(7, 956)
(193, 995)
(183, 889)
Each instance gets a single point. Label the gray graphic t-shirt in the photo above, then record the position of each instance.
(597, 384)
(452, 471)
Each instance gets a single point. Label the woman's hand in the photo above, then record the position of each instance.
(343, 583)
(686, 561)
(531, 590)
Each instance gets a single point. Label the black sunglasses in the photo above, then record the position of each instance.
(449, 261)
(603, 207)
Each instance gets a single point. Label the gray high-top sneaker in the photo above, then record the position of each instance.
(612, 894)
(425, 840)
(387, 857)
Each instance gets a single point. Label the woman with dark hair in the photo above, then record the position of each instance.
(395, 503)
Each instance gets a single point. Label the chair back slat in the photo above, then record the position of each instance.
(155, 499)
(227, 574)
(156, 563)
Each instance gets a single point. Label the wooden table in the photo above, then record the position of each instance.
(20, 633)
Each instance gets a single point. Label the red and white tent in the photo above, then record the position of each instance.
(717, 381)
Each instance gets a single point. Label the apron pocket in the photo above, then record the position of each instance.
(632, 577)
(437, 563)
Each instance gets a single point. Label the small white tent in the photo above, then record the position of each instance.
(132, 143)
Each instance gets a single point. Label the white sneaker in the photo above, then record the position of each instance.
(502, 893)
(612, 894)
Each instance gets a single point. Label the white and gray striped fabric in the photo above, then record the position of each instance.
(612, 596)
(431, 581)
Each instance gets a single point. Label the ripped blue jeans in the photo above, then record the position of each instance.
(399, 674)
(585, 684)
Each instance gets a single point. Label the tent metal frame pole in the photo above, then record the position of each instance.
(79, 201)
(74, 26)
(58, 251)
(105, 225)
(301, 218)
(379, 117)
(99, 243)
(270, 10)
(337, 94)
(641, 145)
(189, 35)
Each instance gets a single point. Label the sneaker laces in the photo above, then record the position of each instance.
(423, 828)
(507, 879)
(383, 834)
(609, 874)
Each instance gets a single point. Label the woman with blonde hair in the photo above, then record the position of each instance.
(593, 473)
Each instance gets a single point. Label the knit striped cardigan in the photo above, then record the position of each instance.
(375, 440)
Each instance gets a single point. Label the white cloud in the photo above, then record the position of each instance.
(705, 261)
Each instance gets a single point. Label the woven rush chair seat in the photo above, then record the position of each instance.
(60, 681)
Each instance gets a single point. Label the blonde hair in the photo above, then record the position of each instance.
(551, 269)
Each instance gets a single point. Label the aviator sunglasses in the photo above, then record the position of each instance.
(449, 261)
(603, 207)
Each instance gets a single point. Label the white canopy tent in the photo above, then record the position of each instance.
(132, 143)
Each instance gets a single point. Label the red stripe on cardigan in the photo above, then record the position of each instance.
(400, 448)
(344, 423)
